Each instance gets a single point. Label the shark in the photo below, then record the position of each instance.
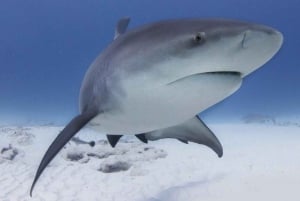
(152, 81)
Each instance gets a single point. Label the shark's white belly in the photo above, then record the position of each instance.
(148, 107)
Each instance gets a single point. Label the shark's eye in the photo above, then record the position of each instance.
(199, 37)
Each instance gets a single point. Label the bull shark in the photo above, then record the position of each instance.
(153, 80)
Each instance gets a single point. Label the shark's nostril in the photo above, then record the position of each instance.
(244, 40)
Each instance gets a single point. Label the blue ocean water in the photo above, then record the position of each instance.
(46, 47)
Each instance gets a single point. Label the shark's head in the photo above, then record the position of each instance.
(220, 45)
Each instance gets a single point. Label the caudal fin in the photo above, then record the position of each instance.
(64, 136)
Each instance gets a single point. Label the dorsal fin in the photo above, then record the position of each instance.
(121, 26)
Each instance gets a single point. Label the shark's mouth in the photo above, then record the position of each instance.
(231, 73)
(217, 73)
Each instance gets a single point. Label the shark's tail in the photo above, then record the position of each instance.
(65, 135)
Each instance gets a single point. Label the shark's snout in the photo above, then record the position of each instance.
(266, 36)
(258, 45)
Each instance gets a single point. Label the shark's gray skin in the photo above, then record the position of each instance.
(153, 80)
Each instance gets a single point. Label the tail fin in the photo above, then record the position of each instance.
(64, 136)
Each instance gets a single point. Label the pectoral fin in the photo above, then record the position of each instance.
(193, 130)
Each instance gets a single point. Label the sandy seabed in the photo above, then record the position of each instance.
(260, 162)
